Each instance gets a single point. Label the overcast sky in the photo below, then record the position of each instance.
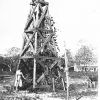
(77, 21)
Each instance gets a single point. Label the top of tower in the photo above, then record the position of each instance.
(42, 2)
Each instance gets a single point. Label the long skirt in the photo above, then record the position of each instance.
(18, 83)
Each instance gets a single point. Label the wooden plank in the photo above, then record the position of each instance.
(23, 41)
(36, 16)
(41, 35)
(30, 30)
(53, 82)
(45, 30)
(42, 2)
(49, 45)
(40, 78)
(28, 23)
(34, 68)
(47, 40)
(24, 50)
(27, 45)
(30, 19)
(33, 9)
(55, 62)
(63, 84)
(39, 57)
(42, 16)
(43, 58)
(27, 57)
(66, 70)
(41, 8)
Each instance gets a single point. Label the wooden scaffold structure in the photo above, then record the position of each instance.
(40, 46)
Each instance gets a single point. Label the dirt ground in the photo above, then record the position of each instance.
(25, 95)
(78, 92)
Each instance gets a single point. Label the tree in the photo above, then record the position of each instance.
(14, 51)
(85, 56)
(11, 58)
(5, 64)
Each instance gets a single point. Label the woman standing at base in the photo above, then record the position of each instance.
(18, 79)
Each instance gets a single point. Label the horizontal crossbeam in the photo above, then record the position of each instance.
(39, 57)
(45, 30)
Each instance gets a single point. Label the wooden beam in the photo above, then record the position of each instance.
(30, 30)
(33, 9)
(41, 8)
(49, 45)
(40, 78)
(47, 40)
(55, 62)
(63, 84)
(42, 16)
(27, 45)
(28, 23)
(41, 35)
(39, 57)
(66, 70)
(42, 2)
(30, 19)
(43, 58)
(45, 30)
(23, 41)
(24, 50)
(53, 82)
(34, 69)
(27, 57)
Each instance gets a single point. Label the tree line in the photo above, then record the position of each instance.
(84, 56)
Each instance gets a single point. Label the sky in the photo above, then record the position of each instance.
(77, 22)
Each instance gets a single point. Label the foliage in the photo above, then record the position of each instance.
(14, 51)
(85, 56)
(10, 60)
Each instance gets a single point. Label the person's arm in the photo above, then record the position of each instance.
(23, 75)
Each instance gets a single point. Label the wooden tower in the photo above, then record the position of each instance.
(40, 41)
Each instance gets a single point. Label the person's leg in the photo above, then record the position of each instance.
(17, 85)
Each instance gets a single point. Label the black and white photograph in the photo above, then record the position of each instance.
(49, 49)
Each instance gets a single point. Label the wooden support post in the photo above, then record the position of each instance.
(53, 82)
(34, 69)
(63, 84)
(66, 70)
(34, 73)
